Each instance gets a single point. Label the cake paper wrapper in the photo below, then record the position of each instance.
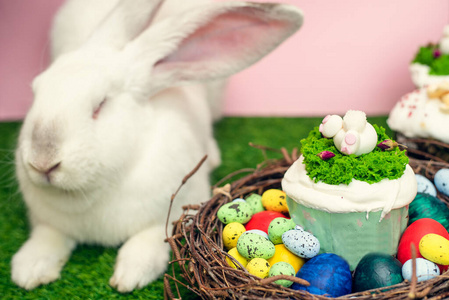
(352, 235)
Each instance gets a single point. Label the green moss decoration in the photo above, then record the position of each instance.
(371, 167)
(439, 64)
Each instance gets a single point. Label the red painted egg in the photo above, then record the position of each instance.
(414, 233)
(262, 220)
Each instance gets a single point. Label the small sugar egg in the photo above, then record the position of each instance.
(283, 254)
(258, 267)
(425, 269)
(231, 234)
(252, 245)
(327, 274)
(238, 211)
(255, 201)
(259, 232)
(275, 200)
(301, 243)
(425, 185)
(235, 254)
(435, 248)
(282, 268)
(441, 181)
(278, 227)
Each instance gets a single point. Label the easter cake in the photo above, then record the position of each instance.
(351, 187)
(423, 113)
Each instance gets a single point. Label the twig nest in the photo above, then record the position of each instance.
(352, 134)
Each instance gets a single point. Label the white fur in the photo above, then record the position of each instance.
(102, 172)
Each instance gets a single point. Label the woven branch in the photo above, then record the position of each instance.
(198, 249)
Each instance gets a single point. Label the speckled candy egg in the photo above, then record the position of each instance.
(425, 269)
(282, 268)
(235, 254)
(262, 220)
(275, 200)
(435, 248)
(258, 267)
(425, 185)
(283, 254)
(255, 201)
(236, 211)
(301, 243)
(278, 227)
(231, 234)
(441, 181)
(428, 206)
(376, 270)
(252, 245)
(328, 274)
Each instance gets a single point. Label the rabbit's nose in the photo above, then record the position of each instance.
(45, 168)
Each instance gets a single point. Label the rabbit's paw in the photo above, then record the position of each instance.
(140, 261)
(331, 125)
(41, 258)
(30, 270)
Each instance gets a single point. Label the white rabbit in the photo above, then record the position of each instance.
(352, 134)
(111, 132)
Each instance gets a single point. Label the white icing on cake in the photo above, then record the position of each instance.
(415, 115)
(357, 196)
(421, 77)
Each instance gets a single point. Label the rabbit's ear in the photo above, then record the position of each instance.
(126, 21)
(210, 42)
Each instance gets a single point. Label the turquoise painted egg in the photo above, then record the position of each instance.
(253, 245)
(328, 274)
(301, 243)
(237, 211)
(441, 181)
(377, 270)
(427, 206)
(278, 227)
(255, 201)
(425, 269)
(425, 185)
(282, 268)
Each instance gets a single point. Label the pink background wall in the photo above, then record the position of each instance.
(349, 54)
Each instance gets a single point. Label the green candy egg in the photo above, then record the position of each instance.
(277, 227)
(377, 270)
(428, 206)
(282, 268)
(238, 211)
(252, 245)
(255, 201)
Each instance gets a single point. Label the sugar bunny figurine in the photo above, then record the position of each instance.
(121, 115)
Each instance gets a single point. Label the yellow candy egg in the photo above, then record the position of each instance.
(231, 234)
(275, 200)
(235, 254)
(435, 248)
(258, 267)
(283, 254)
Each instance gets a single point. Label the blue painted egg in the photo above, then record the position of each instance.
(441, 181)
(425, 185)
(328, 274)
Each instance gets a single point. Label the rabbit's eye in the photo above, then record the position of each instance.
(97, 110)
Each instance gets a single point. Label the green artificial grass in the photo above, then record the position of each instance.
(87, 273)
(438, 64)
